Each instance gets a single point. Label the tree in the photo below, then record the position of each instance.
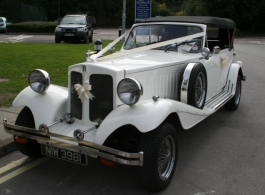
(244, 12)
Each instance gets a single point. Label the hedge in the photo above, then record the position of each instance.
(32, 27)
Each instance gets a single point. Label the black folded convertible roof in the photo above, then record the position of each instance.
(209, 21)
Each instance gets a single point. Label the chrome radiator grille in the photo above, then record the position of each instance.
(102, 103)
(76, 104)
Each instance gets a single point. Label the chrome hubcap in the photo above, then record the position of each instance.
(166, 157)
(200, 89)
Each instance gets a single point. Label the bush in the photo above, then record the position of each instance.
(181, 13)
(32, 27)
(160, 9)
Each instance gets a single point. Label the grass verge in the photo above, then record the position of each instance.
(17, 60)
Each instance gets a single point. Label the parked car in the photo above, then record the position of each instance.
(3, 24)
(74, 28)
(126, 107)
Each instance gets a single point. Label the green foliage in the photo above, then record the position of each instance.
(33, 27)
(19, 59)
(181, 13)
(160, 9)
(248, 15)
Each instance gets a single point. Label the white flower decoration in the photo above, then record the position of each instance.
(223, 61)
(83, 91)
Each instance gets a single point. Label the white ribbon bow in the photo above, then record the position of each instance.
(83, 91)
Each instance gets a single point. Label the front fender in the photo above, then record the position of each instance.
(148, 115)
(45, 108)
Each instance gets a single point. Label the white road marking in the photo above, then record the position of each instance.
(20, 37)
(8, 191)
(14, 164)
(206, 193)
(258, 42)
(16, 39)
(23, 169)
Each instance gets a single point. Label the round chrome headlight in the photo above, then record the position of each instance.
(39, 80)
(129, 91)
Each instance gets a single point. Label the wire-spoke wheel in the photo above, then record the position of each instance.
(233, 103)
(160, 157)
(166, 158)
(200, 89)
(197, 89)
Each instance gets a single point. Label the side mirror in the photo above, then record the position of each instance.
(205, 53)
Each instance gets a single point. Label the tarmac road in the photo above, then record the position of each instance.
(222, 155)
(99, 33)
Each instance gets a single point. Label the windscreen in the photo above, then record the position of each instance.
(153, 33)
(73, 20)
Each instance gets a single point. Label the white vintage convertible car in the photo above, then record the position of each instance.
(126, 107)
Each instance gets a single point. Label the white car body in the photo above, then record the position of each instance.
(164, 97)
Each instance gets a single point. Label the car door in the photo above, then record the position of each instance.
(219, 42)
(217, 67)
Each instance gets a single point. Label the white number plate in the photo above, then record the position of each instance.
(68, 155)
(69, 34)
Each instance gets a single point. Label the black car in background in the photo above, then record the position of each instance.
(75, 27)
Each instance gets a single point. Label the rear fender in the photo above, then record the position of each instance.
(45, 108)
(234, 71)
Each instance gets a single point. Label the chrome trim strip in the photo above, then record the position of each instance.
(90, 148)
(185, 83)
(220, 99)
(226, 99)
(223, 102)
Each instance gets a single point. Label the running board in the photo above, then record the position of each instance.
(220, 99)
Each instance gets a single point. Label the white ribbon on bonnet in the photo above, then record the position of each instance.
(83, 91)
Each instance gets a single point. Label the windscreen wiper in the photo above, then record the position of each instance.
(178, 44)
